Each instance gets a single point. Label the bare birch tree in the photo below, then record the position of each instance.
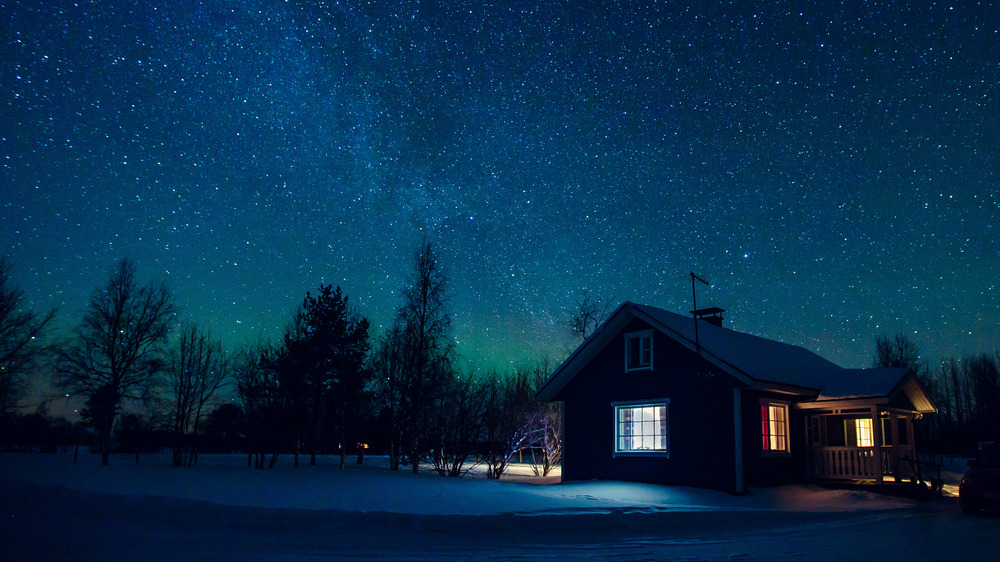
(388, 365)
(118, 347)
(506, 421)
(896, 351)
(458, 424)
(257, 390)
(414, 359)
(545, 423)
(197, 368)
(21, 345)
(586, 315)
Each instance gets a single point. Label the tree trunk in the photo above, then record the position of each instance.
(103, 441)
(343, 444)
(414, 457)
(108, 419)
(393, 456)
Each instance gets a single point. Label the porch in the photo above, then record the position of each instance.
(859, 463)
(861, 444)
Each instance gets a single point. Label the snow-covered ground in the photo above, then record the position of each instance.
(220, 509)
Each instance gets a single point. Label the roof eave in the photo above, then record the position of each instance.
(822, 403)
(782, 388)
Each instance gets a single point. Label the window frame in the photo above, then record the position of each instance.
(766, 425)
(617, 407)
(638, 336)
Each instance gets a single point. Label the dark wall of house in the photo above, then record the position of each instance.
(700, 418)
(762, 469)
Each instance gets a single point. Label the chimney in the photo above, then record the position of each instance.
(712, 315)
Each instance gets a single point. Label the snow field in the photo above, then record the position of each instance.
(226, 480)
(52, 509)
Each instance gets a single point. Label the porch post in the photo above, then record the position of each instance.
(877, 438)
(897, 471)
(916, 477)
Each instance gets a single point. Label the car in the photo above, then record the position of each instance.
(980, 487)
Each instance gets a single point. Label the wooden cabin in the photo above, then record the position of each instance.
(654, 396)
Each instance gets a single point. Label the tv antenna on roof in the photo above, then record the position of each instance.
(712, 315)
(694, 313)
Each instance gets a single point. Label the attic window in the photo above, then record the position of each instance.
(639, 351)
(774, 427)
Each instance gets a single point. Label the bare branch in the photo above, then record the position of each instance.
(118, 347)
(21, 334)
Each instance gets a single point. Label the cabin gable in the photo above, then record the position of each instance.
(698, 400)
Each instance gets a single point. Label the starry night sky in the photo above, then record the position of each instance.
(832, 171)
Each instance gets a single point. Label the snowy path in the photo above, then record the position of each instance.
(50, 512)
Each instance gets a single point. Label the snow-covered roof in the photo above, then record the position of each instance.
(756, 361)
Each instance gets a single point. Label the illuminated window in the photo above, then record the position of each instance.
(863, 429)
(639, 350)
(774, 427)
(642, 428)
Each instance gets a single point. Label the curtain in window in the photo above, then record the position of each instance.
(863, 429)
(774, 427)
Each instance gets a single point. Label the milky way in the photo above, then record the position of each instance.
(832, 171)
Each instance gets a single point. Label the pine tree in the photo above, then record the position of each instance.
(336, 340)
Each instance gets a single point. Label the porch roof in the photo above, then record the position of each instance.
(860, 383)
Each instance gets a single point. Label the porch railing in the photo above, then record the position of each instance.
(848, 463)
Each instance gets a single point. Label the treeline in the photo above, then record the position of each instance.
(965, 391)
(967, 394)
(151, 381)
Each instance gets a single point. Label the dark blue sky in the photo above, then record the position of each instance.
(833, 171)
